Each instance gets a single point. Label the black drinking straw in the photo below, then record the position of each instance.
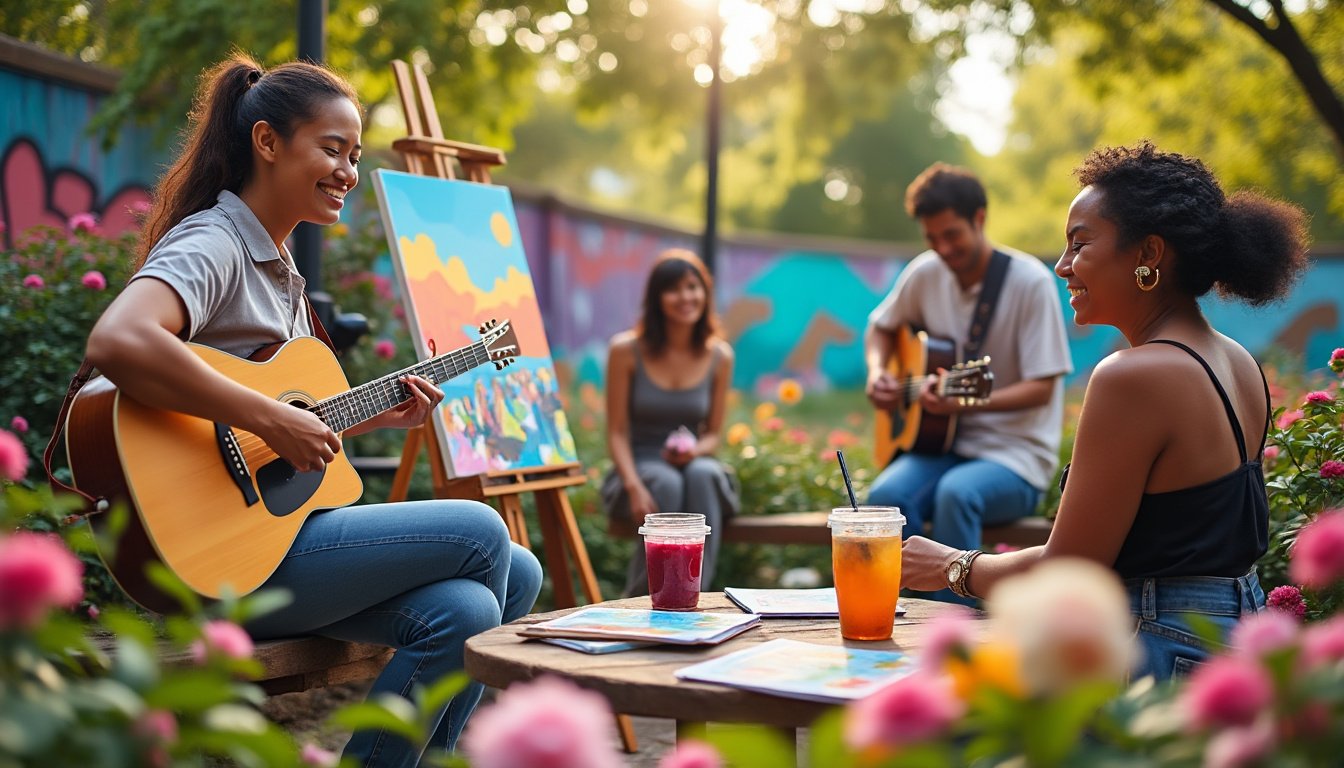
(844, 472)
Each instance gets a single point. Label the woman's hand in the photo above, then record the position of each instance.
(425, 397)
(641, 503)
(924, 564)
(300, 438)
(678, 458)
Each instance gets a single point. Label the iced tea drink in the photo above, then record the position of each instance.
(866, 560)
(674, 547)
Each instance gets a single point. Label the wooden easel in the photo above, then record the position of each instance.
(426, 152)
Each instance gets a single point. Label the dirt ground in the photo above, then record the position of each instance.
(303, 715)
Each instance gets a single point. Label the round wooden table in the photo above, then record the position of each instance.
(641, 681)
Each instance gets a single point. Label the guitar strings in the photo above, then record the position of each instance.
(388, 388)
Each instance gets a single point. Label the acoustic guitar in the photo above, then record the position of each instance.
(906, 428)
(214, 503)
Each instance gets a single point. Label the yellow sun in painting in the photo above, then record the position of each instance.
(499, 226)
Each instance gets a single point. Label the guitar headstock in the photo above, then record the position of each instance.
(971, 382)
(501, 343)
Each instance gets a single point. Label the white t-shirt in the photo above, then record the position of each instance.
(1026, 340)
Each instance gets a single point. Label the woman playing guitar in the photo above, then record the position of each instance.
(267, 150)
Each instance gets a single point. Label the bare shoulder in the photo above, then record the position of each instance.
(724, 349)
(1140, 373)
(623, 343)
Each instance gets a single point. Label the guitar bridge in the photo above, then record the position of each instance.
(234, 463)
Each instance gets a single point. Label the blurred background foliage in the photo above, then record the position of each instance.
(830, 106)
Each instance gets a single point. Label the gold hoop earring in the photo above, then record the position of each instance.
(1140, 272)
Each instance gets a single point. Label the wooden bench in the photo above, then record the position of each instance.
(297, 663)
(810, 528)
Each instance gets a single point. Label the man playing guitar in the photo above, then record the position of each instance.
(1006, 447)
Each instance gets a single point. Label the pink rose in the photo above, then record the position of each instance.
(83, 222)
(318, 757)
(1337, 360)
(18, 424)
(692, 754)
(222, 638)
(37, 573)
(385, 349)
(1287, 599)
(1271, 452)
(1317, 559)
(1288, 418)
(13, 457)
(797, 436)
(382, 286)
(1332, 469)
(1240, 747)
(680, 440)
(1320, 397)
(157, 725)
(774, 424)
(93, 280)
(918, 707)
(1227, 690)
(549, 722)
(1260, 634)
(951, 634)
(34, 281)
(1323, 642)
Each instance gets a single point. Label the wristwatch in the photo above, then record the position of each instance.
(959, 570)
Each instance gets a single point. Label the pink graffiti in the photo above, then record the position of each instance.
(32, 195)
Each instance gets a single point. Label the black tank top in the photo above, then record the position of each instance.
(1218, 528)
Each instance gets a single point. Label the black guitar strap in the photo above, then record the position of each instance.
(984, 308)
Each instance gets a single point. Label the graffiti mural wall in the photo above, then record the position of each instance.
(799, 309)
(52, 170)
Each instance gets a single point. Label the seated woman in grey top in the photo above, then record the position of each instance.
(670, 371)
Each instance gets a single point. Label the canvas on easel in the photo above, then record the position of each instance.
(459, 260)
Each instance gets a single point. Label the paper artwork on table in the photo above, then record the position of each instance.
(789, 603)
(798, 670)
(675, 627)
(459, 259)
(595, 647)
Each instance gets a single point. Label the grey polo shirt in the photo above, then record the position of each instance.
(241, 293)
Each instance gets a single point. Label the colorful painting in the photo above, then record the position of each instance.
(460, 262)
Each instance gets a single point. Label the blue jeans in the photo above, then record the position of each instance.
(1163, 607)
(420, 576)
(957, 495)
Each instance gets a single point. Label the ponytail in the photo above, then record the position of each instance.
(215, 156)
(234, 95)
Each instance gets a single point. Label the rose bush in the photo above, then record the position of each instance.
(1304, 474)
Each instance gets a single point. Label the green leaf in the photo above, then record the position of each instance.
(166, 580)
(751, 745)
(387, 712)
(432, 699)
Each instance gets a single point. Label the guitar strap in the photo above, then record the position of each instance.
(984, 308)
(90, 505)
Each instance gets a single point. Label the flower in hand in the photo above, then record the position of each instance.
(680, 441)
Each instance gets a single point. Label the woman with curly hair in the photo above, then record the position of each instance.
(1165, 485)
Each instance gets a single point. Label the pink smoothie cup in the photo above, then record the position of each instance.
(674, 545)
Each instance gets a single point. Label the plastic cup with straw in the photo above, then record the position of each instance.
(866, 561)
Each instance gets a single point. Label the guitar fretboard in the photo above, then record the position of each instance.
(362, 403)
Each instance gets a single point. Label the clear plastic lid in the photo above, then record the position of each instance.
(675, 525)
(862, 517)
